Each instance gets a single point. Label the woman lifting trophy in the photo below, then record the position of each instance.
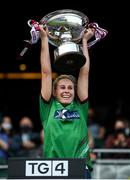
(65, 30)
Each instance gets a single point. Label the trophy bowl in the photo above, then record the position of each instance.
(65, 28)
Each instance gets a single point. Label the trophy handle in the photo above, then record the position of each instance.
(100, 33)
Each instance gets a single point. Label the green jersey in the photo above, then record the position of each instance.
(65, 129)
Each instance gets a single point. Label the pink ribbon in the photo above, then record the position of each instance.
(100, 33)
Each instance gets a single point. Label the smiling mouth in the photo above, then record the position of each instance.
(66, 97)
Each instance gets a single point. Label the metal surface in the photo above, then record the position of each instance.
(65, 25)
(65, 29)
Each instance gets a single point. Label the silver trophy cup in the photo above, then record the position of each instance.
(65, 28)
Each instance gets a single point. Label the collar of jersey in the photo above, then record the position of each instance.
(60, 106)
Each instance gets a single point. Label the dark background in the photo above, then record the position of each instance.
(109, 73)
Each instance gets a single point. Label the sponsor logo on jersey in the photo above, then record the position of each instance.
(66, 114)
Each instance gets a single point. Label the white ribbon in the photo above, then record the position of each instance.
(34, 31)
(34, 35)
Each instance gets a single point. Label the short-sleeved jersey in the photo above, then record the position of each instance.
(65, 129)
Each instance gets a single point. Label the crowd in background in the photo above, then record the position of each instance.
(26, 141)
(23, 142)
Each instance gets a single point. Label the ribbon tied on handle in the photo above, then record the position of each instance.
(100, 33)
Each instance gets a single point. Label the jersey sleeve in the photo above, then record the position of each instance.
(84, 108)
(44, 107)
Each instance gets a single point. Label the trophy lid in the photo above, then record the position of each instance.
(64, 25)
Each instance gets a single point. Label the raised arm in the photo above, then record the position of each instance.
(82, 86)
(46, 72)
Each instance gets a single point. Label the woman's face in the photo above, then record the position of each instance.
(64, 91)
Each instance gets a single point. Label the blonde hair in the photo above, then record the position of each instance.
(64, 76)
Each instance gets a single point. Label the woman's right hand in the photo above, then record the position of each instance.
(42, 32)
